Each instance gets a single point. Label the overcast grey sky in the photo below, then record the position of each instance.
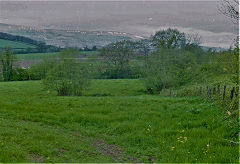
(140, 18)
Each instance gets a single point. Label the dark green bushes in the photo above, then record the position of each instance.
(67, 77)
(168, 68)
(7, 59)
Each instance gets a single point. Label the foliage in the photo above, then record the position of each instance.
(20, 74)
(7, 59)
(67, 77)
(143, 47)
(169, 39)
(174, 39)
(40, 70)
(169, 68)
(117, 57)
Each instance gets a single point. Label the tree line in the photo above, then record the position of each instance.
(169, 59)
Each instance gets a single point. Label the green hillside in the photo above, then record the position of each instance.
(15, 44)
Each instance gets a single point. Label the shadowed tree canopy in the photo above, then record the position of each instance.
(169, 39)
(118, 53)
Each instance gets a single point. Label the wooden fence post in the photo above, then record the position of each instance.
(236, 91)
(218, 89)
(208, 92)
(232, 93)
(214, 90)
(200, 90)
(224, 90)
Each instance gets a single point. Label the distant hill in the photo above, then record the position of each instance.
(68, 38)
(21, 44)
(15, 44)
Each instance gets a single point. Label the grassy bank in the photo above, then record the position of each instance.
(116, 121)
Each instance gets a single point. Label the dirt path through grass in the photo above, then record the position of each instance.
(126, 125)
(94, 148)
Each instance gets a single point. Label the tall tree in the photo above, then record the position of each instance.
(118, 53)
(169, 39)
(7, 59)
(143, 47)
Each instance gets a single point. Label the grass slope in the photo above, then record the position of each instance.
(15, 45)
(41, 56)
(114, 122)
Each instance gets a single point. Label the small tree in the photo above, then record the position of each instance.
(68, 77)
(143, 47)
(7, 59)
(117, 56)
(160, 70)
(167, 68)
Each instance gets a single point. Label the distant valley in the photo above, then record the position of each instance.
(68, 38)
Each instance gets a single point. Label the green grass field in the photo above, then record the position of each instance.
(41, 56)
(36, 56)
(116, 121)
(15, 45)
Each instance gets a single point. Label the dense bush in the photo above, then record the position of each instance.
(20, 74)
(67, 77)
(117, 58)
(39, 70)
(168, 68)
(7, 59)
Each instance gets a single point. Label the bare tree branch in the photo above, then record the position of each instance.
(230, 8)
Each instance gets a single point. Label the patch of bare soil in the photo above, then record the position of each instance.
(61, 152)
(37, 158)
(112, 150)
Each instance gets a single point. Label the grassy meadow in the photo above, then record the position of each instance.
(41, 56)
(36, 56)
(114, 121)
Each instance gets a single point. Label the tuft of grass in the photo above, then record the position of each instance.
(114, 122)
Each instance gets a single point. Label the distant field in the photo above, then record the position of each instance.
(36, 56)
(40, 56)
(116, 121)
(15, 45)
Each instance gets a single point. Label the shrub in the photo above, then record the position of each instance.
(68, 77)
(20, 74)
(6, 62)
(169, 68)
(39, 71)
